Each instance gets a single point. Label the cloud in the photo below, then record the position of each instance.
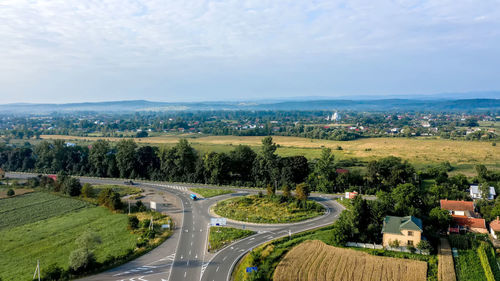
(107, 36)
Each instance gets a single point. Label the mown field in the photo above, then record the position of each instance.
(265, 210)
(316, 261)
(49, 233)
(420, 151)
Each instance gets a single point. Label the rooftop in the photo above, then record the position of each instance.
(394, 224)
(469, 222)
(495, 225)
(453, 205)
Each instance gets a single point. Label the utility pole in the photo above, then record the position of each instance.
(37, 270)
(129, 207)
(151, 223)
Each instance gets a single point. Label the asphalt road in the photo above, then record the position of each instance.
(183, 256)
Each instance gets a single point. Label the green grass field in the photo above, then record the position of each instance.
(210, 192)
(50, 235)
(265, 210)
(221, 236)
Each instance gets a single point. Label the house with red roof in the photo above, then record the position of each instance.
(495, 228)
(463, 223)
(460, 208)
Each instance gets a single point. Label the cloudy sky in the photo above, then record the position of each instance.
(67, 50)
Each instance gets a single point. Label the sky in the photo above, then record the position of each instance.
(70, 51)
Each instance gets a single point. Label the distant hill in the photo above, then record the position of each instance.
(469, 105)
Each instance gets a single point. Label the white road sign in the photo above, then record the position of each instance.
(218, 221)
(152, 205)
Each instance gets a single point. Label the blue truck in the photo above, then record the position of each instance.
(193, 197)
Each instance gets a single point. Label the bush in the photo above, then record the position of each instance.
(481, 251)
(87, 190)
(110, 199)
(10, 192)
(140, 206)
(53, 273)
(81, 260)
(133, 222)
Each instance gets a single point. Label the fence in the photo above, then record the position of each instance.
(380, 247)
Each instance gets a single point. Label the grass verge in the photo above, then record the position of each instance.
(211, 192)
(276, 209)
(221, 236)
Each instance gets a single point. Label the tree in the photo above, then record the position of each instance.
(270, 190)
(110, 199)
(216, 168)
(484, 188)
(99, 158)
(482, 172)
(407, 200)
(87, 190)
(82, 259)
(10, 192)
(242, 158)
(265, 168)
(286, 191)
(323, 176)
(441, 218)
(302, 191)
(126, 158)
(424, 245)
(70, 185)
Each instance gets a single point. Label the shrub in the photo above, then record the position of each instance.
(140, 206)
(81, 260)
(394, 243)
(424, 245)
(133, 222)
(53, 273)
(481, 251)
(110, 199)
(10, 192)
(87, 190)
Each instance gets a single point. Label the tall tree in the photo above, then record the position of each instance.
(98, 158)
(323, 176)
(126, 158)
(242, 159)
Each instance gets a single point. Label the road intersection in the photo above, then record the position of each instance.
(184, 255)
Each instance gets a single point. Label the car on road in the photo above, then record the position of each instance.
(129, 182)
(193, 196)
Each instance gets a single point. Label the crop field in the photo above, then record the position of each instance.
(264, 210)
(51, 240)
(446, 268)
(468, 266)
(316, 261)
(221, 236)
(462, 154)
(33, 207)
(210, 192)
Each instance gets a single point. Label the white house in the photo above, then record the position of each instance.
(475, 192)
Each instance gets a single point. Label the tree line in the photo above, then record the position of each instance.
(241, 166)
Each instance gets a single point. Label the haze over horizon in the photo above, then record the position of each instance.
(73, 51)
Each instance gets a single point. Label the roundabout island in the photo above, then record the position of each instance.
(273, 209)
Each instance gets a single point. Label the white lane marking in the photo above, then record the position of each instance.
(217, 270)
(140, 278)
(189, 252)
(185, 274)
(224, 258)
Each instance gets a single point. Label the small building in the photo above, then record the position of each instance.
(461, 208)
(467, 224)
(475, 192)
(495, 228)
(407, 230)
(350, 195)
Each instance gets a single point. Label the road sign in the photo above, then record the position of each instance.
(165, 226)
(152, 205)
(218, 221)
(250, 269)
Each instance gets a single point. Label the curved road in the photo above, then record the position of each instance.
(183, 256)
